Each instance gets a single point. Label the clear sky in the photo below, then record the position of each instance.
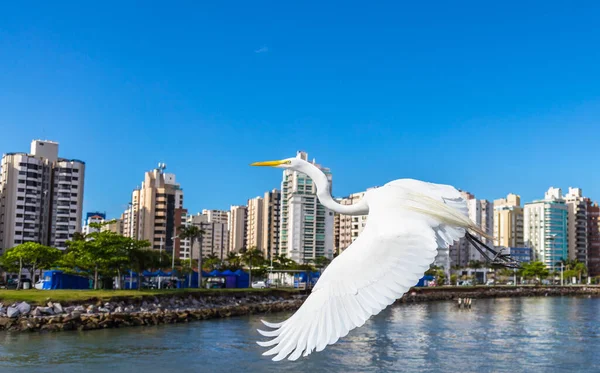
(491, 98)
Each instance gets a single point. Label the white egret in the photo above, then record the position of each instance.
(408, 222)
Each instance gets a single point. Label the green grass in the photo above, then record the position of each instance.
(38, 297)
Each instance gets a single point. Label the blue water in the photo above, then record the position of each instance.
(543, 334)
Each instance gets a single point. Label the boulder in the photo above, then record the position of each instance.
(24, 308)
(46, 310)
(58, 308)
(12, 312)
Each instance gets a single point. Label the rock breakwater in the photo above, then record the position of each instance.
(165, 310)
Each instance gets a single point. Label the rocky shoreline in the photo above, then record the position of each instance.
(22, 317)
(172, 309)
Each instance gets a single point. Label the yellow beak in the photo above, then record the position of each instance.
(268, 163)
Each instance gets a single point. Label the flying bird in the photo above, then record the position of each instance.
(408, 222)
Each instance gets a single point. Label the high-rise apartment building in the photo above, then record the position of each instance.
(237, 228)
(577, 225)
(271, 223)
(306, 226)
(545, 223)
(152, 213)
(508, 222)
(348, 227)
(481, 212)
(41, 196)
(217, 216)
(593, 249)
(214, 239)
(254, 224)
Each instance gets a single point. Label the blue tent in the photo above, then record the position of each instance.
(215, 273)
(243, 279)
(59, 280)
(228, 272)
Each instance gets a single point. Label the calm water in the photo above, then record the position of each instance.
(502, 335)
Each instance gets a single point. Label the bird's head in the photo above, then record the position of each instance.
(295, 163)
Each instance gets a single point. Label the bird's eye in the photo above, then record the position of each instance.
(289, 162)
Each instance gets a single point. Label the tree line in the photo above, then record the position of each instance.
(105, 255)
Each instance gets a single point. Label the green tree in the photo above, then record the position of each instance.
(212, 261)
(195, 234)
(31, 256)
(453, 279)
(536, 270)
(252, 257)
(321, 262)
(234, 261)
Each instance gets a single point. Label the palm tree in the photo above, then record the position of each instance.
(321, 262)
(233, 260)
(250, 257)
(195, 234)
(212, 261)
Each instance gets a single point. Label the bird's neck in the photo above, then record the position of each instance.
(324, 193)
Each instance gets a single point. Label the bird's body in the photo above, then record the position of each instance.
(408, 222)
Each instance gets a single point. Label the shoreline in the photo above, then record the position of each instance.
(187, 307)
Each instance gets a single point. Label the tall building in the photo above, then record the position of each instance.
(508, 222)
(271, 223)
(93, 218)
(577, 225)
(306, 226)
(481, 212)
(593, 249)
(41, 196)
(348, 227)
(217, 216)
(237, 228)
(545, 223)
(214, 239)
(254, 224)
(152, 213)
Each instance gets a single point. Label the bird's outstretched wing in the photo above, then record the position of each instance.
(389, 257)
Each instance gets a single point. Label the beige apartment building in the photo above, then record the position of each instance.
(237, 228)
(217, 216)
(153, 210)
(348, 228)
(271, 221)
(41, 196)
(254, 224)
(577, 225)
(508, 222)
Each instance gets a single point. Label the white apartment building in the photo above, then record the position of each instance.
(93, 218)
(545, 222)
(41, 196)
(306, 226)
(215, 238)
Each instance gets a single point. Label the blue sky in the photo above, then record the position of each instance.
(491, 98)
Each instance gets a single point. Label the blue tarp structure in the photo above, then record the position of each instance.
(59, 280)
(302, 277)
(214, 273)
(243, 279)
(423, 281)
